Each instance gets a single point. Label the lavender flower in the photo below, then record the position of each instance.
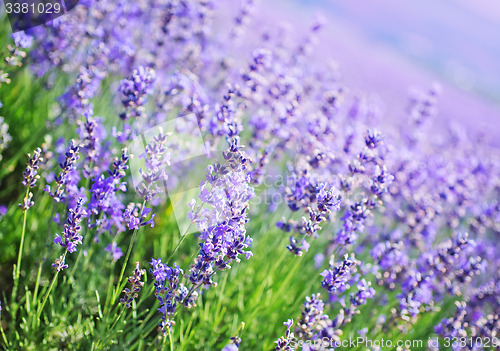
(114, 250)
(22, 40)
(227, 191)
(283, 343)
(3, 210)
(30, 174)
(77, 99)
(357, 299)
(105, 202)
(234, 345)
(71, 234)
(64, 177)
(137, 284)
(230, 347)
(156, 159)
(94, 148)
(5, 137)
(166, 291)
(335, 278)
(134, 91)
(30, 177)
(312, 317)
(134, 220)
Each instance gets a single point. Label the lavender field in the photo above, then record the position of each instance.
(204, 175)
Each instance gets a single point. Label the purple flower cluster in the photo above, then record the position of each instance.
(105, 202)
(283, 343)
(71, 156)
(5, 137)
(234, 345)
(134, 91)
(30, 177)
(114, 250)
(136, 216)
(156, 159)
(169, 292)
(226, 192)
(335, 278)
(71, 234)
(137, 284)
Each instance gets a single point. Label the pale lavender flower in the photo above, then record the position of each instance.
(71, 236)
(226, 191)
(136, 285)
(283, 343)
(114, 250)
(336, 277)
(156, 159)
(134, 91)
(30, 177)
(312, 317)
(5, 137)
(3, 210)
(234, 345)
(166, 282)
(71, 156)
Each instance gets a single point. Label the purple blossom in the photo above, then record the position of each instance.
(312, 317)
(5, 137)
(30, 177)
(64, 177)
(134, 91)
(166, 282)
(3, 210)
(226, 191)
(71, 234)
(22, 40)
(234, 345)
(30, 174)
(105, 201)
(77, 98)
(336, 277)
(134, 220)
(136, 285)
(156, 159)
(114, 250)
(283, 343)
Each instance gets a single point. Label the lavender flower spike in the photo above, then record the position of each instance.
(336, 277)
(114, 250)
(71, 234)
(134, 91)
(30, 177)
(137, 284)
(283, 343)
(167, 291)
(63, 178)
(156, 159)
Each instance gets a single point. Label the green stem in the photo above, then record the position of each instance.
(109, 290)
(124, 266)
(100, 343)
(183, 236)
(20, 253)
(17, 267)
(5, 342)
(170, 340)
(47, 294)
(38, 275)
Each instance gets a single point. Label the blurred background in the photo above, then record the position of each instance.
(385, 47)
